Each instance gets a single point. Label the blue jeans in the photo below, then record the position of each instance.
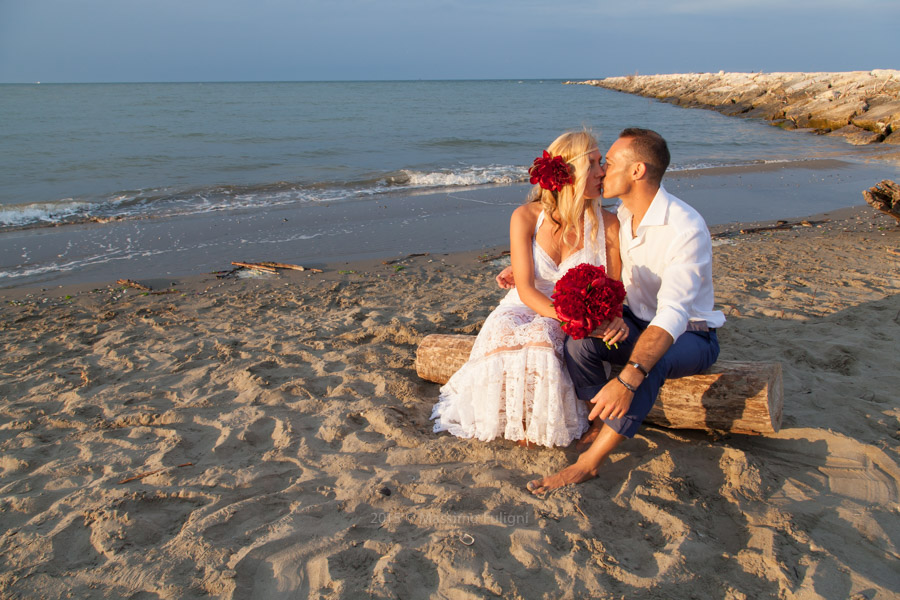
(693, 352)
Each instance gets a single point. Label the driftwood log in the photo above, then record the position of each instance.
(884, 196)
(267, 266)
(738, 397)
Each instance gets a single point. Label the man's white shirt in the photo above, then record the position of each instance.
(667, 265)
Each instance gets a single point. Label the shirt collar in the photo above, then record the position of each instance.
(657, 214)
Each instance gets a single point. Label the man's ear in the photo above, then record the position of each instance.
(638, 171)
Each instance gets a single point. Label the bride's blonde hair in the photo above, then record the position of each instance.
(566, 206)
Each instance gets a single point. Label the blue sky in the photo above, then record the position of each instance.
(296, 40)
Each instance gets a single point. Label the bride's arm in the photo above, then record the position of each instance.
(521, 230)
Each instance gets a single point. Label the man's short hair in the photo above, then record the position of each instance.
(649, 148)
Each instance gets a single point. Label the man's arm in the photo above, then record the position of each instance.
(614, 399)
(687, 274)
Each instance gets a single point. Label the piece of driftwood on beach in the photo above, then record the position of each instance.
(732, 396)
(279, 265)
(778, 226)
(884, 196)
(268, 266)
(254, 266)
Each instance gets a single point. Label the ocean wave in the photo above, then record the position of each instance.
(493, 174)
(167, 201)
(700, 166)
(170, 201)
(18, 215)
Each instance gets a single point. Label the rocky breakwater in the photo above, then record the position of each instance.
(862, 106)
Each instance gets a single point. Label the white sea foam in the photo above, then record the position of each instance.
(466, 177)
(42, 212)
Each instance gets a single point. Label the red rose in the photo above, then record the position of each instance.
(584, 297)
(550, 172)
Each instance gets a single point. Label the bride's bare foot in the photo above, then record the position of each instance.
(589, 436)
(572, 474)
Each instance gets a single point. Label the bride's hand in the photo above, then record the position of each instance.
(505, 279)
(612, 332)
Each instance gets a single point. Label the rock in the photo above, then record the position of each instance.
(767, 112)
(733, 109)
(856, 136)
(823, 114)
(883, 118)
(894, 138)
(826, 102)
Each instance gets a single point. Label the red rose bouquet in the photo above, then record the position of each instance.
(585, 297)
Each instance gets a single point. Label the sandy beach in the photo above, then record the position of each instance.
(268, 437)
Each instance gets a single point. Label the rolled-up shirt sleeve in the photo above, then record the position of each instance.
(687, 273)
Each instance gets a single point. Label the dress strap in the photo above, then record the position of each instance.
(539, 222)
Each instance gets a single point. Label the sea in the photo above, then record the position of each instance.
(79, 158)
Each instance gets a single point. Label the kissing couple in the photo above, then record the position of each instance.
(526, 380)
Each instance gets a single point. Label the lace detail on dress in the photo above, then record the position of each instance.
(515, 383)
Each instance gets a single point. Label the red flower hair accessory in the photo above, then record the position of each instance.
(550, 172)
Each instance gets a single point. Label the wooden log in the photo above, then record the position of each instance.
(279, 265)
(255, 267)
(268, 266)
(733, 396)
(884, 196)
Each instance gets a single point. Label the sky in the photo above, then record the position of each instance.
(315, 40)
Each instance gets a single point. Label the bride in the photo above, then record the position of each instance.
(515, 383)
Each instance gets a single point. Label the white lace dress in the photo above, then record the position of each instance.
(515, 383)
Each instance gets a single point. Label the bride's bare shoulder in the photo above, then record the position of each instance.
(527, 214)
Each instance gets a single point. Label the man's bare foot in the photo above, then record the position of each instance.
(571, 474)
(589, 436)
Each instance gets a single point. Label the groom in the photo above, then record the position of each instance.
(667, 272)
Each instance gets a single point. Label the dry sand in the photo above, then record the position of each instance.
(268, 438)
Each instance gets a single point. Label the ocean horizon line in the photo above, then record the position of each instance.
(572, 79)
(276, 81)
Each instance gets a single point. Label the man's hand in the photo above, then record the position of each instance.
(611, 402)
(614, 399)
(505, 279)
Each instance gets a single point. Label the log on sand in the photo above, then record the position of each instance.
(732, 396)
